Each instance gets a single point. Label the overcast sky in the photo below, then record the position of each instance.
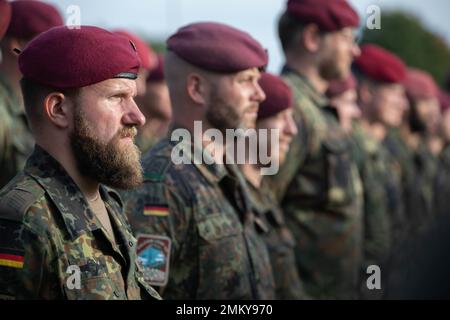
(156, 19)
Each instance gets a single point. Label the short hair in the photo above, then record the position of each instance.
(288, 29)
(34, 94)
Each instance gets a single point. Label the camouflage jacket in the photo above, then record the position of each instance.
(425, 165)
(382, 196)
(400, 160)
(48, 234)
(418, 169)
(16, 141)
(442, 184)
(321, 195)
(280, 243)
(197, 235)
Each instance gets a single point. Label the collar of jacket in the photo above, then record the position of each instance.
(66, 195)
(201, 159)
(318, 98)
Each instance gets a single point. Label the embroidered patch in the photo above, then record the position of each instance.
(156, 210)
(11, 258)
(154, 258)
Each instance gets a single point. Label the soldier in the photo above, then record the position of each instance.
(442, 183)
(5, 17)
(381, 97)
(319, 186)
(371, 159)
(156, 107)
(28, 19)
(424, 114)
(197, 235)
(275, 113)
(63, 234)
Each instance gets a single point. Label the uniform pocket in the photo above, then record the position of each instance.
(92, 279)
(217, 226)
(340, 191)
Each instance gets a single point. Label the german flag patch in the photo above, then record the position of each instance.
(156, 210)
(11, 258)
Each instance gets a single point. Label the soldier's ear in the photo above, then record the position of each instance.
(311, 38)
(57, 109)
(196, 88)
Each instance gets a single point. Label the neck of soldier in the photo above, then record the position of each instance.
(252, 173)
(306, 67)
(250, 169)
(377, 130)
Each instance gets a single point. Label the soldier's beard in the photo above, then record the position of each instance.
(222, 115)
(329, 70)
(107, 163)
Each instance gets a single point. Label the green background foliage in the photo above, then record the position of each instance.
(405, 35)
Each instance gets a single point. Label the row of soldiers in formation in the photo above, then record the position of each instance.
(363, 148)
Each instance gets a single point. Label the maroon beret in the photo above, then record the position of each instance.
(157, 73)
(328, 15)
(380, 65)
(5, 16)
(30, 18)
(145, 52)
(217, 47)
(278, 95)
(66, 57)
(420, 85)
(339, 86)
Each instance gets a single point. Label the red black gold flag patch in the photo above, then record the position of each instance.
(11, 258)
(156, 210)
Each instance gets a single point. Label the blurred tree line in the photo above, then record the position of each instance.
(406, 35)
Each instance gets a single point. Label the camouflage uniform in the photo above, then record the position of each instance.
(400, 161)
(280, 243)
(321, 195)
(16, 141)
(46, 226)
(423, 207)
(382, 196)
(442, 184)
(146, 143)
(418, 170)
(204, 211)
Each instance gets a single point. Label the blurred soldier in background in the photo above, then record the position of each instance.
(442, 184)
(275, 113)
(319, 186)
(28, 19)
(371, 159)
(156, 107)
(425, 144)
(381, 97)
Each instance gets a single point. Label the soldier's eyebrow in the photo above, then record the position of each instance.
(122, 91)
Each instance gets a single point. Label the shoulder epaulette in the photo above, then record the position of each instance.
(15, 203)
(156, 168)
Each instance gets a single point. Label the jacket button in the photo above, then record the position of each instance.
(116, 294)
(131, 244)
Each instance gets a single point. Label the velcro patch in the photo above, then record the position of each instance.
(156, 210)
(154, 258)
